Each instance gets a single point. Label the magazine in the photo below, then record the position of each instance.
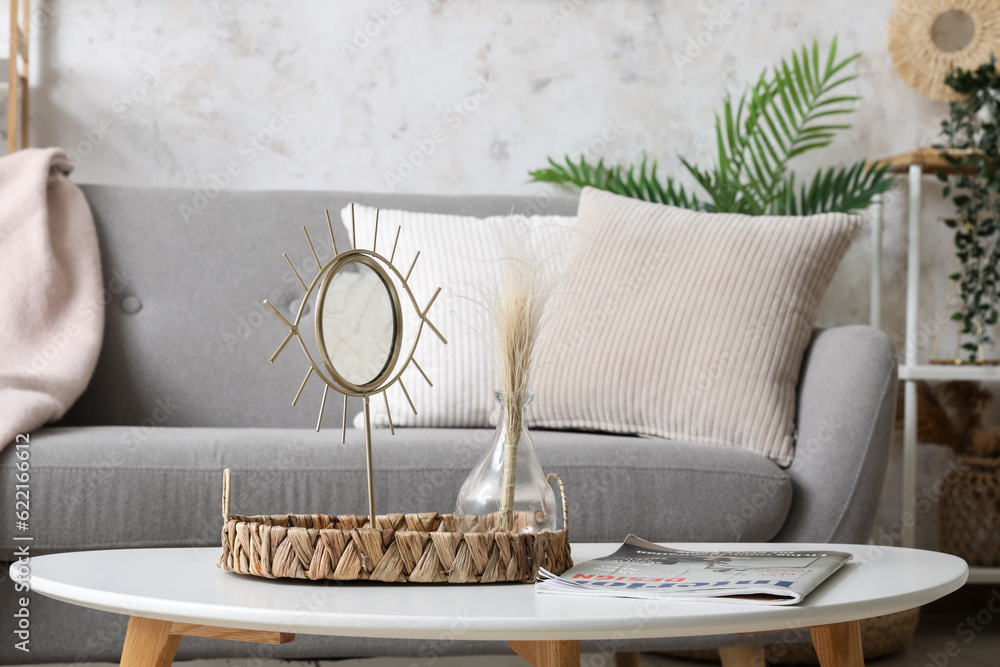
(641, 569)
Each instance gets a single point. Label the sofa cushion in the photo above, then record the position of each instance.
(461, 255)
(115, 487)
(685, 325)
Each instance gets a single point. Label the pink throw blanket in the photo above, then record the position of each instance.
(51, 292)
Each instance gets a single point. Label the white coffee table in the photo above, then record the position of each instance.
(168, 593)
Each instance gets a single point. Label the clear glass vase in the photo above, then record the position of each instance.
(481, 498)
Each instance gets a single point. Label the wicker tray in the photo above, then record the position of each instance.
(402, 548)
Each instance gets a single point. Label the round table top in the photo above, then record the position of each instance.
(184, 585)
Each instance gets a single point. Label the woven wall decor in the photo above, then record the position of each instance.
(920, 61)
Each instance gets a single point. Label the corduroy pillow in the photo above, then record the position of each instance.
(685, 325)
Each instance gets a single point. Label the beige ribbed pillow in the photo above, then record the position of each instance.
(685, 325)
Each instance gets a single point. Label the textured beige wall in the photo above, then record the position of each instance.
(296, 95)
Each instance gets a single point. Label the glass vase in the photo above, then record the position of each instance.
(530, 499)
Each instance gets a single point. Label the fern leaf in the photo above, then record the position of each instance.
(641, 184)
(842, 190)
(783, 114)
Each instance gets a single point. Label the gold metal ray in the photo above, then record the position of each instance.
(281, 317)
(322, 406)
(319, 264)
(415, 258)
(375, 239)
(343, 429)
(329, 226)
(393, 255)
(354, 230)
(407, 394)
(302, 386)
(297, 276)
(388, 413)
(430, 303)
(430, 325)
(288, 337)
(427, 379)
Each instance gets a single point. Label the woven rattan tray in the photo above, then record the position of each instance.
(402, 548)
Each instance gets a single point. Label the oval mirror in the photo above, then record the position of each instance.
(357, 323)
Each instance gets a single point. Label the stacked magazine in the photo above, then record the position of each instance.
(641, 569)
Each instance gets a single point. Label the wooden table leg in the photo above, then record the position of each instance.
(148, 643)
(627, 659)
(549, 654)
(152, 643)
(838, 645)
(742, 656)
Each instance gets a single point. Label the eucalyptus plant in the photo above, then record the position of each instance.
(790, 110)
(971, 136)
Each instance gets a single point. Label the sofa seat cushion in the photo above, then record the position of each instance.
(117, 487)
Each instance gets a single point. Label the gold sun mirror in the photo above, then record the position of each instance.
(359, 326)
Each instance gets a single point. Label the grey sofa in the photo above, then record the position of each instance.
(183, 389)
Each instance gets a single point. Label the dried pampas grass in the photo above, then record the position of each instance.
(516, 304)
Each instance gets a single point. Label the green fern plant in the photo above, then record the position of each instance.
(786, 113)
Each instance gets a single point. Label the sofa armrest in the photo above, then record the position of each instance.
(845, 419)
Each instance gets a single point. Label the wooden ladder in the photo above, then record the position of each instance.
(17, 77)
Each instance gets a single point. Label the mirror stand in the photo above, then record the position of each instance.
(359, 330)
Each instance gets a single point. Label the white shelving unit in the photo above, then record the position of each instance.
(916, 165)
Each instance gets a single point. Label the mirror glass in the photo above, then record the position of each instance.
(359, 323)
(953, 31)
